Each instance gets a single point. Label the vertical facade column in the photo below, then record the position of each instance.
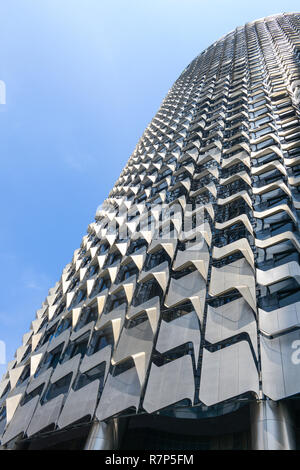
(102, 436)
(271, 426)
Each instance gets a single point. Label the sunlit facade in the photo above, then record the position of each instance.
(176, 324)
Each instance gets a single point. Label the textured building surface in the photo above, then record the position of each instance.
(183, 299)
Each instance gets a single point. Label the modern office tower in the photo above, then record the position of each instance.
(176, 324)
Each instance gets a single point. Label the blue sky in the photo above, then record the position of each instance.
(83, 80)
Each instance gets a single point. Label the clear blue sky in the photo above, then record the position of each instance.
(84, 79)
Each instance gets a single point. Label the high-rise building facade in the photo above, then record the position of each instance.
(177, 323)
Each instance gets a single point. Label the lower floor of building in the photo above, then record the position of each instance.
(265, 425)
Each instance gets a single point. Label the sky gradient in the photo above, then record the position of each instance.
(83, 80)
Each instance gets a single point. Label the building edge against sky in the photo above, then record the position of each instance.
(176, 324)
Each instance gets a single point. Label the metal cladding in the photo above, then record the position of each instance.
(186, 287)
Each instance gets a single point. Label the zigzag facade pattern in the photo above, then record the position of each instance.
(141, 324)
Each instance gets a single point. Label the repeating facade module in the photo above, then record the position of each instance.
(176, 324)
